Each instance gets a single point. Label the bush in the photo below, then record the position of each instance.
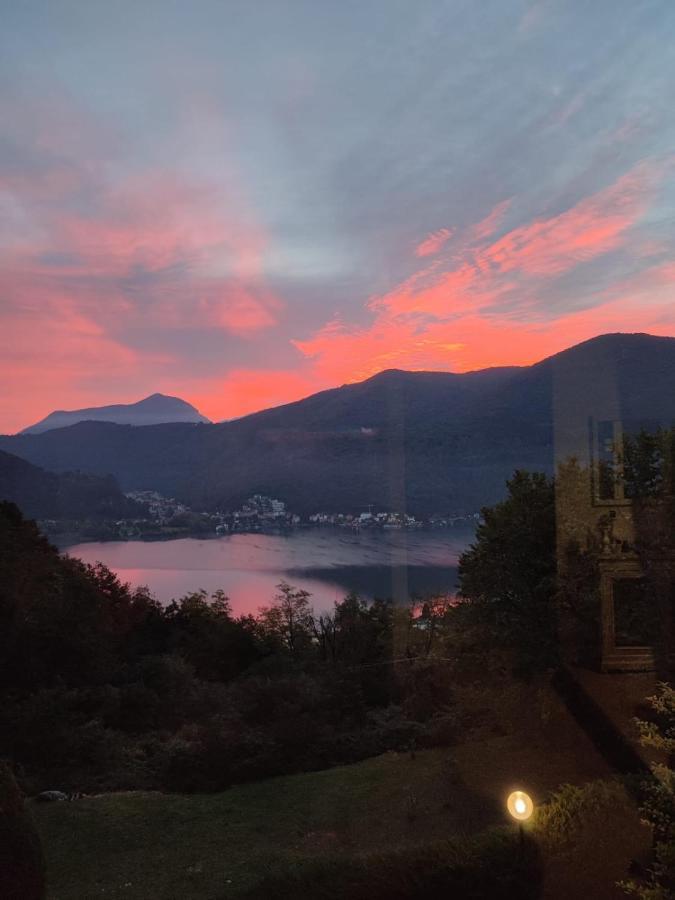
(658, 799)
(573, 806)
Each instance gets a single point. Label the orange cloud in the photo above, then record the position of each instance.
(471, 341)
(338, 355)
(441, 294)
(342, 355)
(244, 391)
(486, 304)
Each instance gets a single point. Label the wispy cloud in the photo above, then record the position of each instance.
(433, 242)
(487, 303)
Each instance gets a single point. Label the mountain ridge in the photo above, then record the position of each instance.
(425, 442)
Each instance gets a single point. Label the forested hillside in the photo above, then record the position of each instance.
(69, 495)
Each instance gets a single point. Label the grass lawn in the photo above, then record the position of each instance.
(151, 845)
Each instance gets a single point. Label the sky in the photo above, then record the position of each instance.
(242, 203)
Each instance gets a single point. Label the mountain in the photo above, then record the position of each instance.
(153, 410)
(72, 495)
(423, 441)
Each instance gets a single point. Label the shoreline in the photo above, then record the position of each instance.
(71, 539)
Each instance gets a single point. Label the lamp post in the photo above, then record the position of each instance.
(521, 807)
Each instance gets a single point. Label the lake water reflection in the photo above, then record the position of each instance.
(326, 562)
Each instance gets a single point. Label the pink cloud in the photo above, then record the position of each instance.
(199, 254)
(482, 273)
(592, 227)
(487, 227)
(433, 242)
(156, 252)
(163, 252)
(52, 356)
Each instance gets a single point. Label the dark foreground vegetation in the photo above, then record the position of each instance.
(102, 689)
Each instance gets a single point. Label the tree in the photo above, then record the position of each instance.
(648, 463)
(649, 478)
(290, 619)
(508, 575)
(203, 631)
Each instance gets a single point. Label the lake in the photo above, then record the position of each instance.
(327, 562)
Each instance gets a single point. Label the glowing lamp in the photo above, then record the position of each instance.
(520, 805)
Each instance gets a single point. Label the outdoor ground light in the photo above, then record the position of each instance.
(520, 805)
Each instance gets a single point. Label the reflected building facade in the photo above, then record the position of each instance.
(615, 550)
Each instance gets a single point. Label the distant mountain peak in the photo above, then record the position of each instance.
(156, 409)
(158, 396)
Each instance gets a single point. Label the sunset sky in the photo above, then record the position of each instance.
(241, 203)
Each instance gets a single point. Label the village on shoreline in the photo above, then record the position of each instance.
(166, 517)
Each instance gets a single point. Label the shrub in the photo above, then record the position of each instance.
(658, 799)
(573, 806)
